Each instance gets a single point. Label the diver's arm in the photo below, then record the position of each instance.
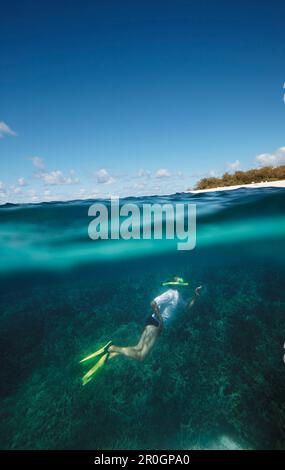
(156, 310)
(194, 298)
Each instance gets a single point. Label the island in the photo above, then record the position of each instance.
(257, 177)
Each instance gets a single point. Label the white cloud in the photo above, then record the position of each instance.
(22, 181)
(17, 190)
(162, 173)
(56, 177)
(38, 162)
(143, 173)
(85, 193)
(82, 193)
(3, 191)
(6, 130)
(180, 175)
(33, 195)
(103, 177)
(272, 159)
(140, 185)
(233, 166)
(47, 195)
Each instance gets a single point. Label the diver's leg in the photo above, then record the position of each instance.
(152, 333)
(141, 340)
(138, 346)
(143, 347)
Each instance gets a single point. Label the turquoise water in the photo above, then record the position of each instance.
(216, 375)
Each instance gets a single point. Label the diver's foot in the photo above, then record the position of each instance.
(113, 354)
(114, 350)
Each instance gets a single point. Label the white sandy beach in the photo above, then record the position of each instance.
(266, 184)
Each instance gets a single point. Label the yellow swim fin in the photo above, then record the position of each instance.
(97, 353)
(90, 374)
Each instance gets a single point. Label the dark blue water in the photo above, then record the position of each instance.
(215, 378)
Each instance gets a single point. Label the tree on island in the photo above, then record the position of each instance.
(257, 175)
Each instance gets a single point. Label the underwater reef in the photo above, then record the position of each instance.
(217, 370)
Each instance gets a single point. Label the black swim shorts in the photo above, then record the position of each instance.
(152, 321)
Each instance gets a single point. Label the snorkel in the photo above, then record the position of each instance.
(176, 281)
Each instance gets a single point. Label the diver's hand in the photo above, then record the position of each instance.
(197, 290)
(156, 310)
(194, 298)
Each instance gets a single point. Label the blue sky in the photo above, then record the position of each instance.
(134, 98)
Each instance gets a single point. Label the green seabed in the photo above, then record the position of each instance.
(215, 379)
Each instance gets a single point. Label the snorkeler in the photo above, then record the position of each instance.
(164, 307)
